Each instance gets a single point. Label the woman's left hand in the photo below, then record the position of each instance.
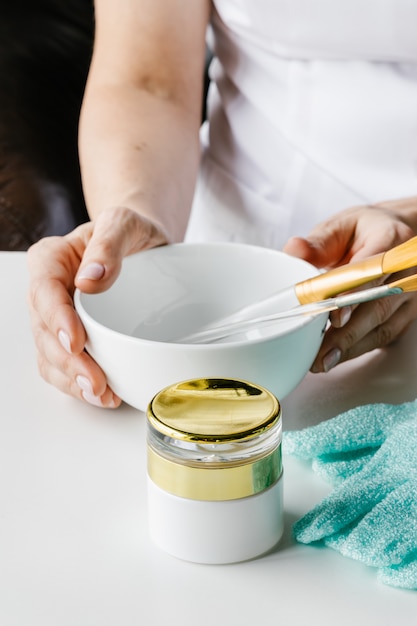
(350, 235)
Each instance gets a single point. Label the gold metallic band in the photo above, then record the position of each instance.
(215, 483)
(339, 279)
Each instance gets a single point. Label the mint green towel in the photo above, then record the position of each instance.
(370, 454)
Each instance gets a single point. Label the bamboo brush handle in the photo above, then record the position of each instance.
(355, 274)
(340, 279)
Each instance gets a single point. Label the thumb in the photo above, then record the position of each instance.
(326, 249)
(114, 234)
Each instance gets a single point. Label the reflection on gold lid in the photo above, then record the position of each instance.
(213, 410)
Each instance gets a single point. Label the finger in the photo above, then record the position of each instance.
(81, 388)
(320, 251)
(330, 243)
(340, 317)
(117, 233)
(53, 313)
(350, 235)
(52, 264)
(372, 325)
(76, 375)
(383, 334)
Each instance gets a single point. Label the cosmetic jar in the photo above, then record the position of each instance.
(214, 470)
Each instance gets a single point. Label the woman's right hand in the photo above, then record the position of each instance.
(89, 258)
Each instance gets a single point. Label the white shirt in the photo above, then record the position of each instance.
(312, 108)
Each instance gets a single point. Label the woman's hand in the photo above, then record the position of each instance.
(89, 258)
(351, 235)
(139, 147)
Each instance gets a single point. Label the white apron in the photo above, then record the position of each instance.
(312, 109)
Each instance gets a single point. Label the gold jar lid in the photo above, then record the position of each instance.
(214, 439)
(213, 410)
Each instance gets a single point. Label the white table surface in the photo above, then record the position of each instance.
(74, 545)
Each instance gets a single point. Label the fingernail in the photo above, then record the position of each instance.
(345, 315)
(93, 271)
(84, 384)
(87, 391)
(92, 399)
(64, 340)
(331, 359)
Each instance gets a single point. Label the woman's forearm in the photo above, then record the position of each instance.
(141, 152)
(139, 125)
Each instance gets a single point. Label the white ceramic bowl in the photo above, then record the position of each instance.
(167, 292)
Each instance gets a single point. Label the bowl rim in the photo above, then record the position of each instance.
(301, 323)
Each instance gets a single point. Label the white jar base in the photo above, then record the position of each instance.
(216, 532)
